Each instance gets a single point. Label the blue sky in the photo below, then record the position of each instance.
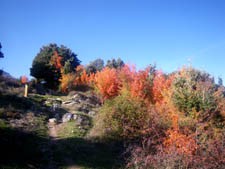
(170, 33)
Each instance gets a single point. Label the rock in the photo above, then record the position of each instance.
(75, 116)
(68, 102)
(85, 108)
(97, 105)
(59, 100)
(50, 101)
(67, 117)
(93, 100)
(82, 120)
(91, 113)
(79, 120)
(57, 116)
(52, 120)
(78, 97)
(72, 93)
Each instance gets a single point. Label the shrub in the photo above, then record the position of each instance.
(67, 82)
(193, 92)
(122, 117)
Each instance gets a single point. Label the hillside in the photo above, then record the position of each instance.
(49, 131)
(115, 118)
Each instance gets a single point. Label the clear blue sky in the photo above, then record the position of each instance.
(170, 33)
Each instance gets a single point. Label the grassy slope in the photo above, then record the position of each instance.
(29, 146)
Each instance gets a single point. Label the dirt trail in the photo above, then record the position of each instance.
(53, 137)
(53, 129)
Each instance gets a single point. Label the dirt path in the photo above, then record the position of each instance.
(53, 129)
(52, 132)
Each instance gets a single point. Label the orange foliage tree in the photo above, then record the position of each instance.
(107, 83)
(82, 77)
(141, 86)
(67, 81)
(161, 86)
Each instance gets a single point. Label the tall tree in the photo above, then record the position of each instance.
(50, 62)
(113, 63)
(1, 54)
(220, 81)
(94, 66)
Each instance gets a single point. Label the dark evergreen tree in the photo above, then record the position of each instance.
(115, 63)
(96, 65)
(1, 54)
(45, 72)
(220, 81)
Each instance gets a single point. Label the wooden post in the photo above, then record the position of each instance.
(24, 81)
(26, 90)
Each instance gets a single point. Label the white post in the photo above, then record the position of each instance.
(26, 90)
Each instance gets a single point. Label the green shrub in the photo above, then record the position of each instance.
(123, 117)
(193, 92)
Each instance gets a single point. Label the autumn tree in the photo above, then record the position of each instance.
(107, 83)
(48, 64)
(141, 86)
(161, 87)
(67, 82)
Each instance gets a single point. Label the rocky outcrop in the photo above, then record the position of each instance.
(67, 117)
(81, 120)
(76, 107)
(27, 122)
(53, 103)
(82, 103)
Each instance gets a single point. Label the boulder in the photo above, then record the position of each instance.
(91, 113)
(68, 102)
(57, 116)
(79, 98)
(52, 120)
(67, 117)
(82, 120)
(93, 100)
(75, 116)
(54, 103)
(84, 108)
(79, 120)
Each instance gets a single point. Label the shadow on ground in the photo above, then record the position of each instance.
(26, 150)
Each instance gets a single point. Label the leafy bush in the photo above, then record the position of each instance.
(67, 82)
(122, 117)
(193, 91)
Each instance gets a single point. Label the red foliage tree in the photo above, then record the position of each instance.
(161, 85)
(141, 86)
(107, 83)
